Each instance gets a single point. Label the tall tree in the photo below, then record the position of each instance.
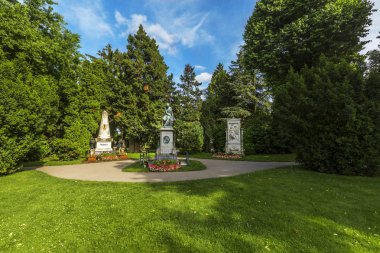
(37, 58)
(291, 33)
(188, 112)
(136, 111)
(218, 95)
(334, 131)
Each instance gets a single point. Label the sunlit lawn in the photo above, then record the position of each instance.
(279, 210)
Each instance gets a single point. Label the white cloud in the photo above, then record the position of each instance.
(204, 77)
(164, 39)
(120, 20)
(91, 23)
(89, 16)
(169, 32)
(190, 35)
(200, 67)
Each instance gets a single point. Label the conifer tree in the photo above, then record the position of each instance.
(188, 114)
(218, 95)
(140, 88)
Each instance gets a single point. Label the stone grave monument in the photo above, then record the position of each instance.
(104, 140)
(234, 137)
(166, 147)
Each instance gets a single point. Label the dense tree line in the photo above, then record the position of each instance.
(309, 54)
(299, 84)
(52, 96)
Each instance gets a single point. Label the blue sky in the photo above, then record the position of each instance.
(199, 32)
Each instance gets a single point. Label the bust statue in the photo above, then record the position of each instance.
(168, 117)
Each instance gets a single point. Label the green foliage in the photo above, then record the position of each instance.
(135, 112)
(188, 101)
(257, 134)
(284, 34)
(74, 143)
(218, 95)
(324, 109)
(93, 92)
(189, 136)
(187, 109)
(38, 56)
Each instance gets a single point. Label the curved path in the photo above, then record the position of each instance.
(112, 171)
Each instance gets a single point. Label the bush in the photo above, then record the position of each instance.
(324, 109)
(256, 139)
(189, 136)
(75, 143)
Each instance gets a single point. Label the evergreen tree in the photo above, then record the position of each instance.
(218, 95)
(136, 112)
(189, 96)
(284, 34)
(333, 131)
(188, 112)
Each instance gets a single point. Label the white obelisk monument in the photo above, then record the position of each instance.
(104, 140)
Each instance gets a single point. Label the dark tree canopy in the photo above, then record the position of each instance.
(292, 33)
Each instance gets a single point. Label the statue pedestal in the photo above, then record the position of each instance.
(167, 144)
(103, 146)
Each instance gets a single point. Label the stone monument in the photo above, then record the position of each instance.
(234, 137)
(166, 147)
(104, 140)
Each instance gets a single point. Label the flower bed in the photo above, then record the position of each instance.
(164, 165)
(91, 159)
(107, 157)
(123, 157)
(226, 156)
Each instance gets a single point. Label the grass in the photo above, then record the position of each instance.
(53, 163)
(138, 167)
(47, 162)
(256, 158)
(135, 156)
(279, 210)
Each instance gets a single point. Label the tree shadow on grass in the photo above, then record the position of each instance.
(287, 210)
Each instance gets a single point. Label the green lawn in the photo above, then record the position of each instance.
(47, 162)
(256, 158)
(280, 210)
(138, 167)
(53, 163)
(137, 155)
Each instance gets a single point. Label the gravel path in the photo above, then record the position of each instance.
(112, 171)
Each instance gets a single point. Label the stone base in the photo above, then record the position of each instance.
(103, 146)
(234, 148)
(167, 145)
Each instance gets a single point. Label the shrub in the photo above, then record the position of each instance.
(189, 136)
(74, 144)
(324, 109)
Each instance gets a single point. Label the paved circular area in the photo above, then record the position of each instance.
(112, 171)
